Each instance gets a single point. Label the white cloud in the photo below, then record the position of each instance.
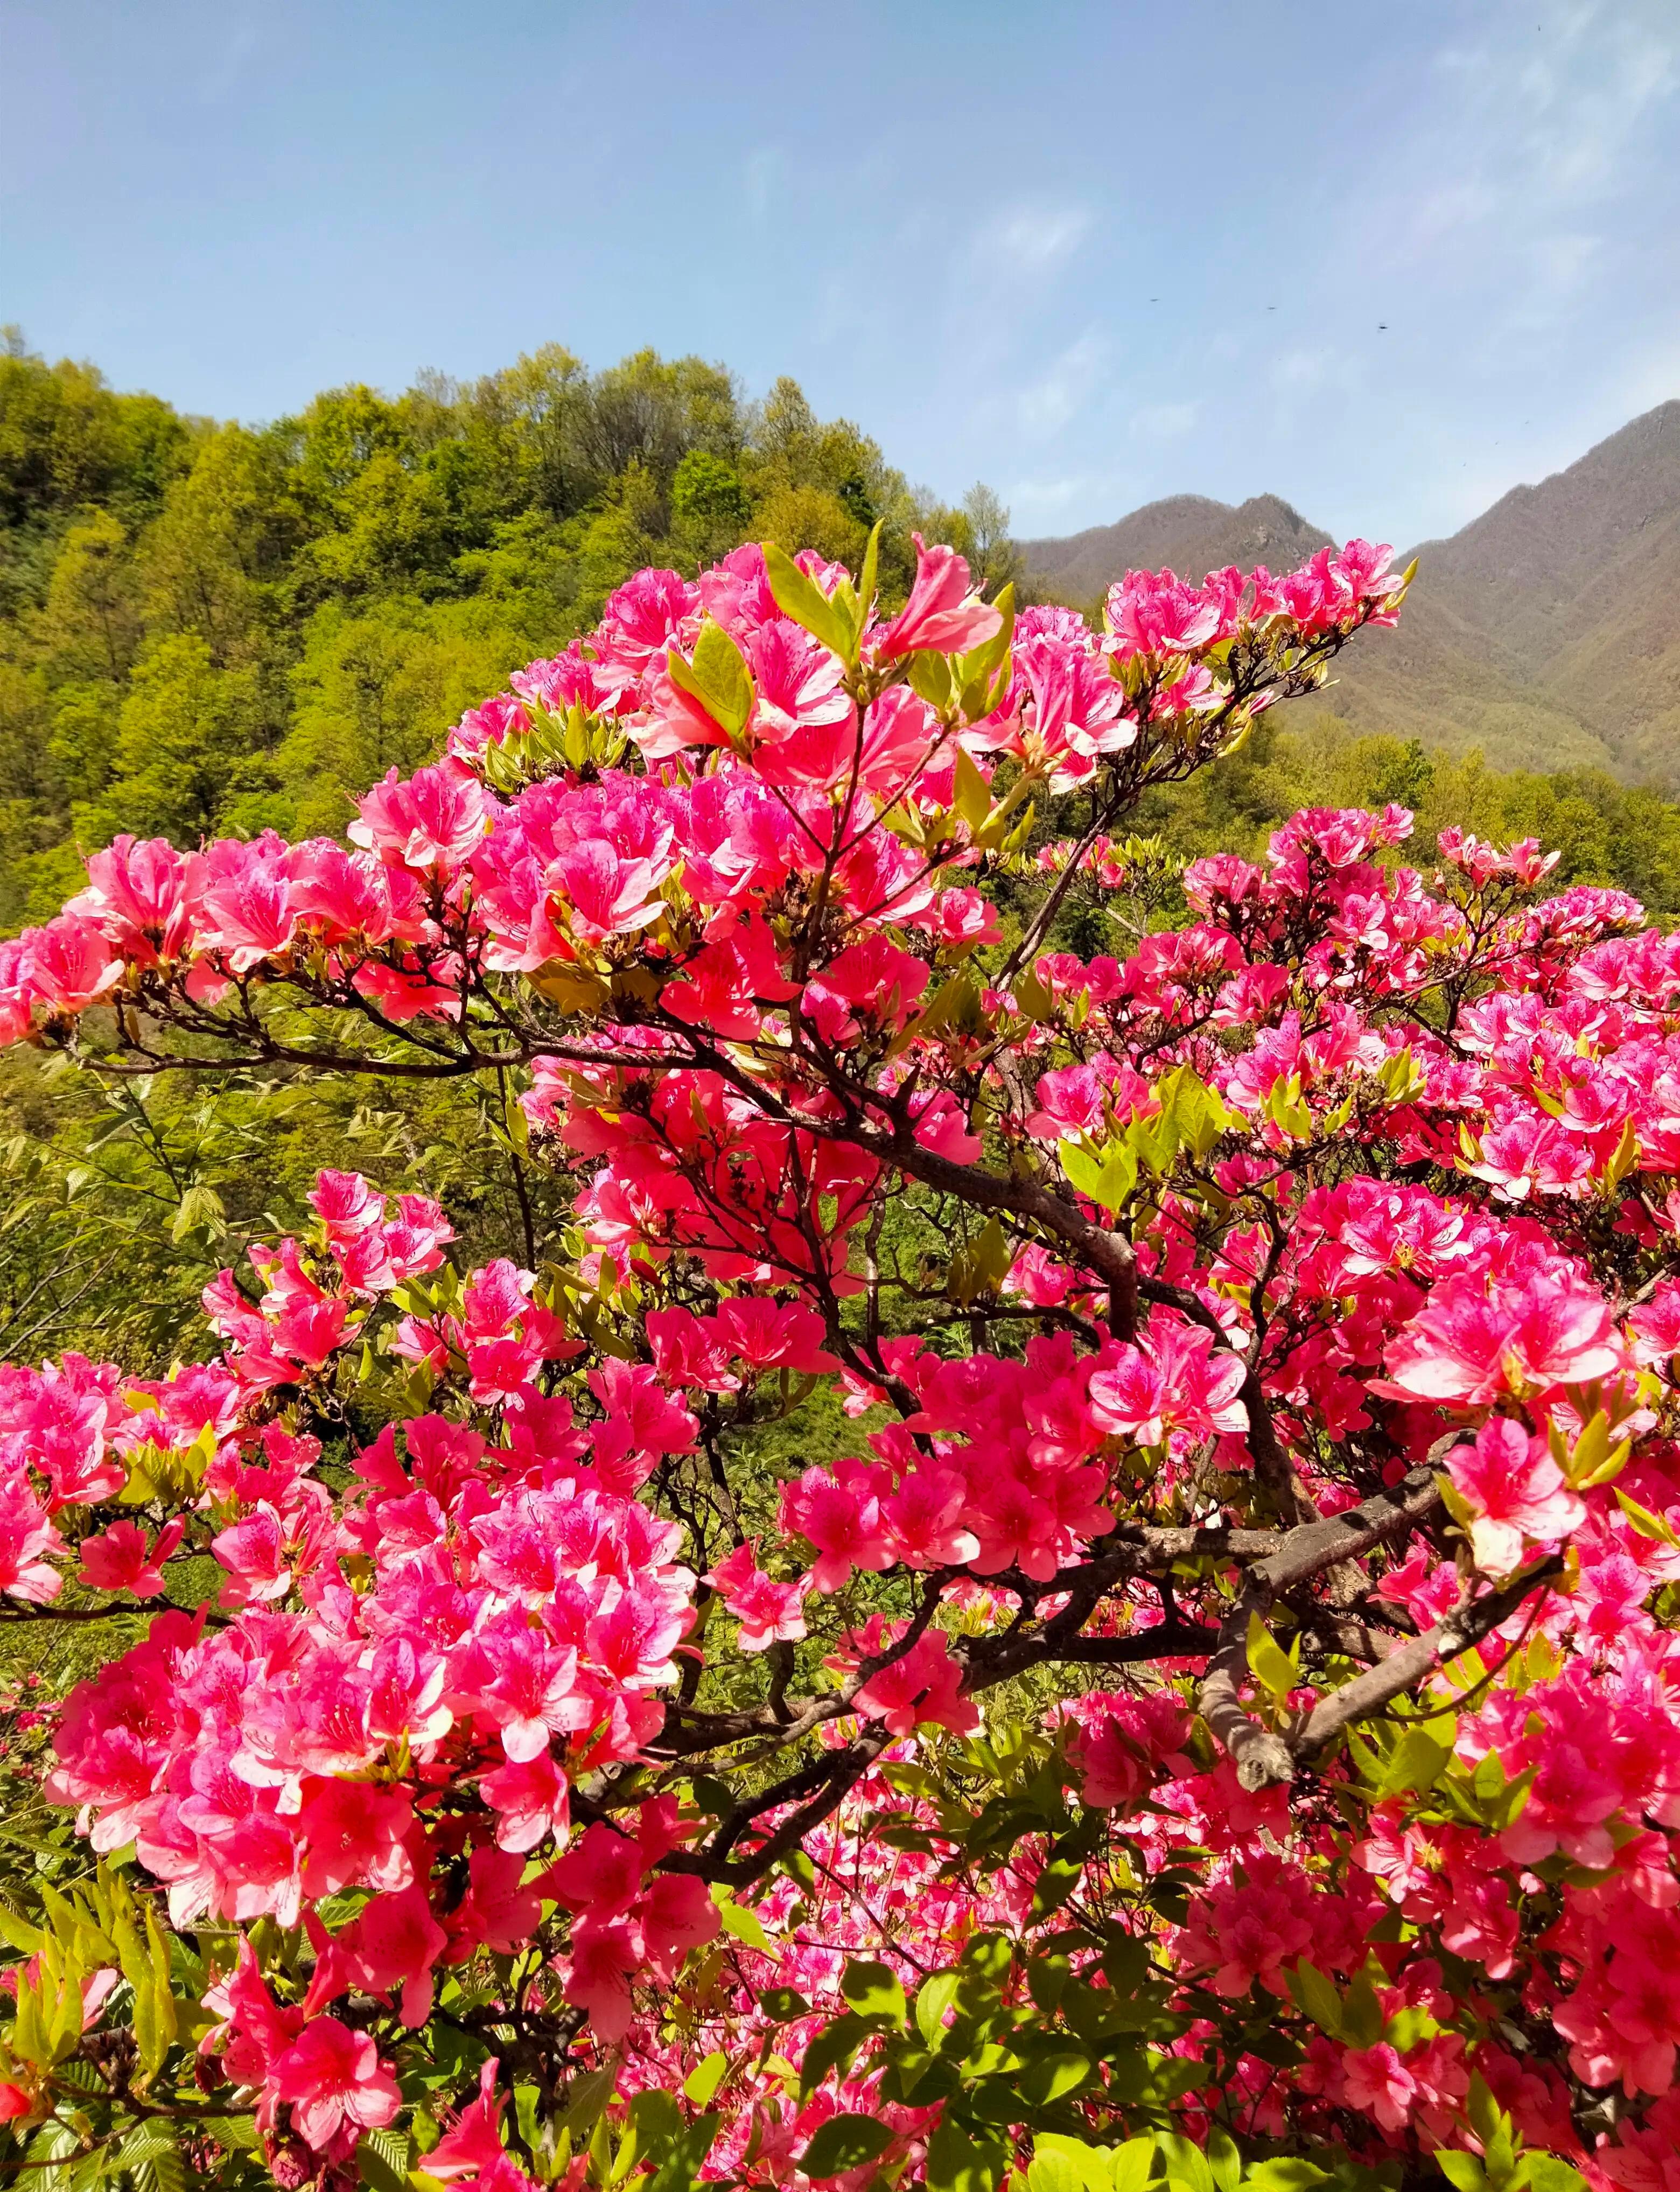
(1299, 371)
(1560, 261)
(1165, 422)
(764, 172)
(1452, 209)
(1650, 377)
(1034, 239)
(226, 64)
(1050, 495)
(1049, 403)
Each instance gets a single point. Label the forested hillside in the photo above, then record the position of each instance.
(211, 627)
(208, 626)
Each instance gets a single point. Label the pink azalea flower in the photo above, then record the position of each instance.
(332, 2076)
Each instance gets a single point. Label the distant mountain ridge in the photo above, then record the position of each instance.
(1546, 631)
(1186, 532)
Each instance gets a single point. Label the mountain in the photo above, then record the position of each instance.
(1547, 632)
(1185, 532)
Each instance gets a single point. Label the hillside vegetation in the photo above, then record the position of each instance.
(210, 627)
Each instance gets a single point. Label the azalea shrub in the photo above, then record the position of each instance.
(1068, 1573)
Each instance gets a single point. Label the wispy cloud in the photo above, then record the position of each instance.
(1299, 372)
(1165, 422)
(1049, 403)
(763, 172)
(1034, 239)
(225, 63)
(1049, 496)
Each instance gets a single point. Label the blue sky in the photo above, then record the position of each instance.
(1092, 254)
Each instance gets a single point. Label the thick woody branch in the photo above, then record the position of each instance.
(1261, 1756)
(1458, 1632)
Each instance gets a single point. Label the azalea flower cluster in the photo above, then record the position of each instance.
(1214, 1627)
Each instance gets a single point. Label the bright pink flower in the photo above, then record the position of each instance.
(769, 1613)
(68, 965)
(435, 819)
(332, 2076)
(1378, 2082)
(248, 911)
(472, 2145)
(393, 1943)
(118, 1559)
(1470, 1345)
(940, 613)
(352, 1834)
(606, 1956)
(1515, 1491)
(874, 980)
(529, 1797)
(923, 1686)
(843, 1520)
(142, 894)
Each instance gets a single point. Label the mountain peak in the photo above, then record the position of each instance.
(1189, 534)
(1543, 633)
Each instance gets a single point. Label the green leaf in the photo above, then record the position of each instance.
(239, 2134)
(1546, 2173)
(745, 1924)
(957, 2163)
(1462, 2170)
(718, 678)
(1644, 1521)
(1286, 2173)
(1415, 1764)
(1271, 1665)
(803, 600)
(1107, 1176)
(378, 2166)
(1132, 2163)
(1062, 2164)
(1317, 1997)
(972, 795)
(202, 1210)
(844, 2141)
(1186, 2161)
(1223, 2160)
(586, 2096)
(1052, 2170)
(868, 580)
(874, 1990)
(976, 671)
(1052, 2077)
(704, 2080)
(159, 2164)
(934, 1998)
(1361, 2014)
(832, 2049)
(18, 1932)
(929, 678)
(654, 2115)
(1056, 1884)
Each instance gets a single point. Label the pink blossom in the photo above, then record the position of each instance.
(940, 613)
(332, 2076)
(118, 1558)
(1515, 1491)
(924, 1685)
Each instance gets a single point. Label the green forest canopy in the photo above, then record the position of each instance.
(211, 627)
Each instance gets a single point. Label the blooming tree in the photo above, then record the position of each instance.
(1069, 1568)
